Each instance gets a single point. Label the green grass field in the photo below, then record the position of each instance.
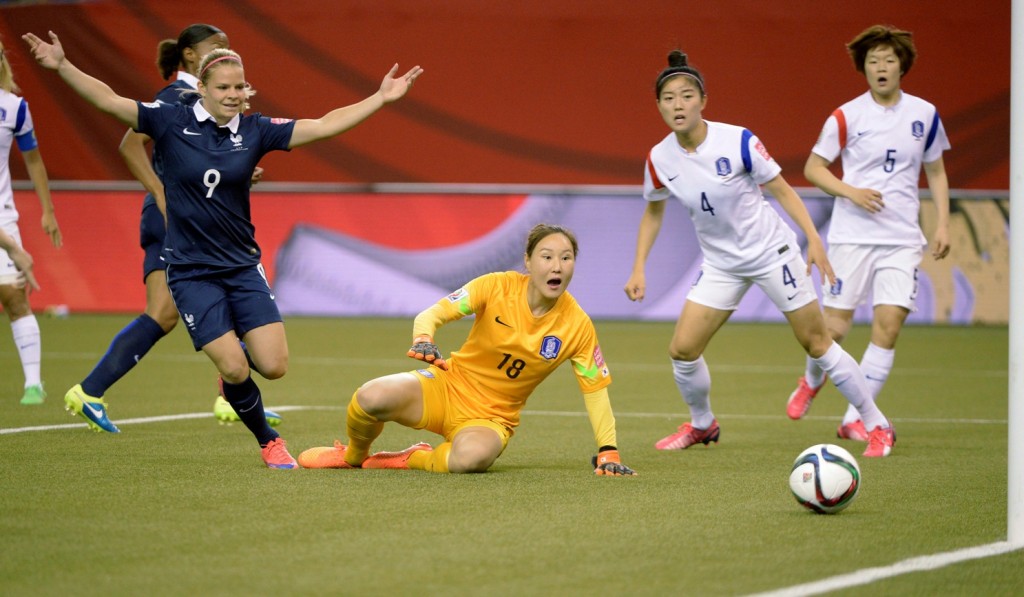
(185, 506)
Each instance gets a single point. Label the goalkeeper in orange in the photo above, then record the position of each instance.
(526, 326)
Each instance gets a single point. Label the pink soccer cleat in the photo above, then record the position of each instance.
(855, 431)
(276, 455)
(880, 442)
(688, 435)
(800, 400)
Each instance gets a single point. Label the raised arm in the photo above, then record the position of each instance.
(96, 92)
(340, 120)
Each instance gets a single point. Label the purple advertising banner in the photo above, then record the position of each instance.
(324, 272)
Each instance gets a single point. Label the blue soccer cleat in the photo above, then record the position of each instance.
(93, 410)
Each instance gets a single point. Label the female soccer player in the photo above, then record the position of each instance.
(526, 326)
(210, 151)
(884, 137)
(179, 56)
(716, 170)
(16, 126)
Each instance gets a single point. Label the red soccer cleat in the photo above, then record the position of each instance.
(855, 431)
(276, 455)
(800, 400)
(688, 435)
(880, 442)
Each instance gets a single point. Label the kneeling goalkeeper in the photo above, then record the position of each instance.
(526, 326)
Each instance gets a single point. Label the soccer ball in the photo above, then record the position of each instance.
(825, 478)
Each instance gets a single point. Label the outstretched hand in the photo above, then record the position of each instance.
(48, 55)
(608, 464)
(424, 349)
(393, 88)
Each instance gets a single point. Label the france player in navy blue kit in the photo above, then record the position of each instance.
(179, 57)
(210, 150)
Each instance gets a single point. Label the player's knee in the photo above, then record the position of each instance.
(166, 321)
(370, 398)
(275, 369)
(683, 353)
(470, 461)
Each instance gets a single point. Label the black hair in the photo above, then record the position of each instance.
(677, 65)
(168, 51)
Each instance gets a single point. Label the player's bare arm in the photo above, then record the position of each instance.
(99, 94)
(938, 183)
(817, 172)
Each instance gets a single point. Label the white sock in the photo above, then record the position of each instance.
(848, 378)
(813, 374)
(26, 339)
(876, 365)
(694, 382)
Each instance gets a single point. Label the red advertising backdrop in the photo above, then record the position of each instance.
(530, 91)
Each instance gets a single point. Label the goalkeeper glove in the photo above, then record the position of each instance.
(607, 463)
(424, 349)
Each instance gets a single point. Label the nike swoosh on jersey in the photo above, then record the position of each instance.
(188, 132)
(498, 319)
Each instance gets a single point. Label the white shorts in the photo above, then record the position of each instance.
(787, 285)
(887, 272)
(9, 275)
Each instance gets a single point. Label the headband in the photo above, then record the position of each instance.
(686, 74)
(212, 62)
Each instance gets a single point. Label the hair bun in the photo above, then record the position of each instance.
(676, 58)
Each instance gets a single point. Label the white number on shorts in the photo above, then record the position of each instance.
(211, 179)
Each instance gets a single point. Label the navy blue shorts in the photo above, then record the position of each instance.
(213, 301)
(152, 231)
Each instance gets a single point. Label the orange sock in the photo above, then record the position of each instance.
(363, 428)
(432, 461)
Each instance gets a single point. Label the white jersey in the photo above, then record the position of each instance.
(15, 124)
(883, 149)
(719, 183)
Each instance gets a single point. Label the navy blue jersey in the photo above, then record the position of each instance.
(207, 172)
(170, 94)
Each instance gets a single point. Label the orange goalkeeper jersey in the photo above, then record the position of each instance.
(509, 351)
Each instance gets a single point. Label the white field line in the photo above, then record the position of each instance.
(539, 413)
(835, 583)
(915, 564)
(402, 360)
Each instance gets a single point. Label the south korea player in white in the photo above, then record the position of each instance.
(716, 171)
(884, 137)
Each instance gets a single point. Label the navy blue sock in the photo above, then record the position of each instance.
(247, 401)
(126, 350)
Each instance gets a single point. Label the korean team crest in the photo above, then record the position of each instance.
(550, 346)
(917, 129)
(723, 166)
